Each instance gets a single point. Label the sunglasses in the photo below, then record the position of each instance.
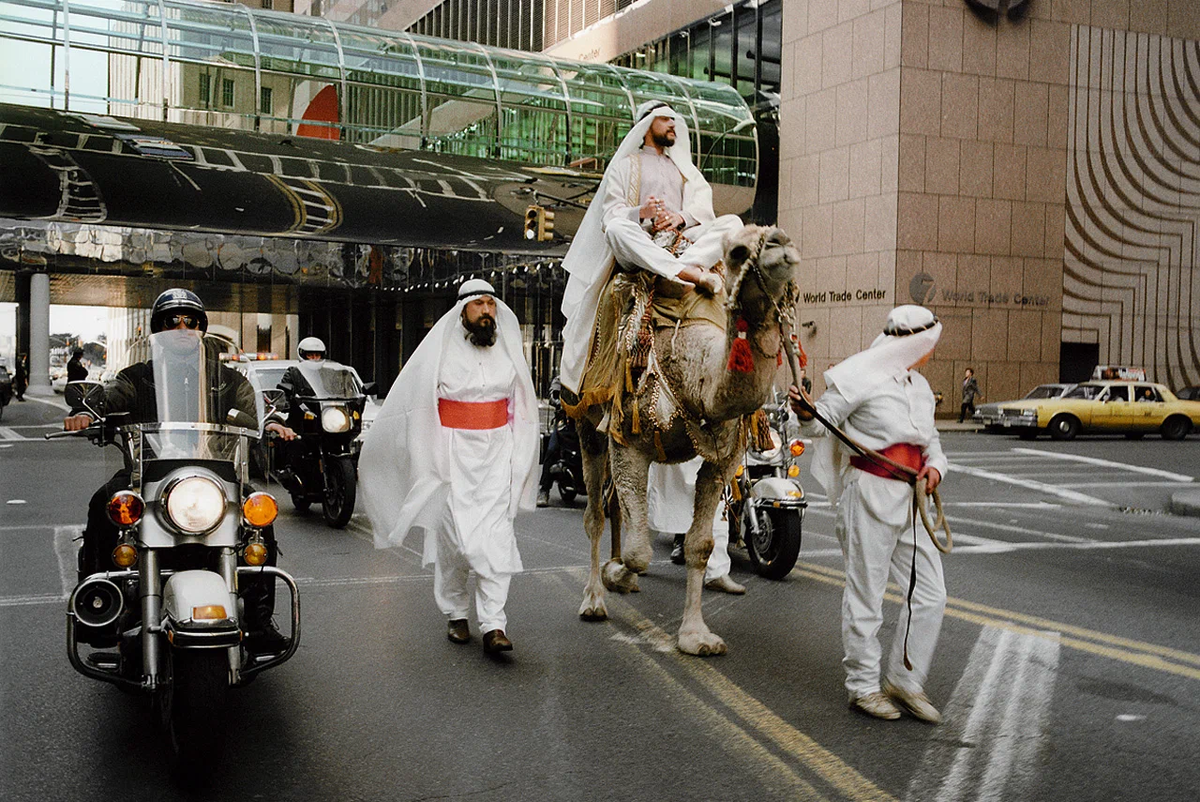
(173, 321)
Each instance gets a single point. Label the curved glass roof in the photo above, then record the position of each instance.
(232, 66)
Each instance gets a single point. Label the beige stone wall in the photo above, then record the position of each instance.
(839, 137)
(977, 164)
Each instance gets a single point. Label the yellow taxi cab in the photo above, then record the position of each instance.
(1132, 408)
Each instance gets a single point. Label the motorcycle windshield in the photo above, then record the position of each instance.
(193, 385)
(330, 381)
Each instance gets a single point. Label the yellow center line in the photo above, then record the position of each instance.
(1147, 655)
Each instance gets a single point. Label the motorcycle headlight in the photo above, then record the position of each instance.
(335, 420)
(195, 504)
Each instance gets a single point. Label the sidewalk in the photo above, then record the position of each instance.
(952, 425)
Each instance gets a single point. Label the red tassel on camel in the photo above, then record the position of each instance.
(741, 360)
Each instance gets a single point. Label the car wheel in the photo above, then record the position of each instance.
(1176, 428)
(1064, 427)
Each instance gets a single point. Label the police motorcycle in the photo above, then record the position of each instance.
(325, 410)
(765, 500)
(191, 533)
(567, 468)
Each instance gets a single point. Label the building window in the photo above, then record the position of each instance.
(264, 100)
(227, 92)
(268, 4)
(205, 90)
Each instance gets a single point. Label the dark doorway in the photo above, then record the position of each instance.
(1076, 361)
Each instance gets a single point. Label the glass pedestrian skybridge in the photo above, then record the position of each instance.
(230, 66)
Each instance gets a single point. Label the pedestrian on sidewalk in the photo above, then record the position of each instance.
(21, 377)
(970, 389)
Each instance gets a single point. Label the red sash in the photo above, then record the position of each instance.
(903, 453)
(473, 414)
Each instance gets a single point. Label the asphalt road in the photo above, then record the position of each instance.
(1068, 666)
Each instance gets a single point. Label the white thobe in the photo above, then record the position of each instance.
(632, 244)
(670, 500)
(874, 517)
(476, 531)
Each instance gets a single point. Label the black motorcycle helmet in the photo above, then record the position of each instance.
(174, 302)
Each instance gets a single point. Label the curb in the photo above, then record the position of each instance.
(1186, 502)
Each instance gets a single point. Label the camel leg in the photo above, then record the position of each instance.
(694, 635)
(595, 461)
(630, 469)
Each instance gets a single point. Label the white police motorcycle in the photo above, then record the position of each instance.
(190, 535)
(765, 499)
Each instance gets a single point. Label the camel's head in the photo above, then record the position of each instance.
(760, 262)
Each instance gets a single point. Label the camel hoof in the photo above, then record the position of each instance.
(618, 578)
(701, 644)
(593, 612)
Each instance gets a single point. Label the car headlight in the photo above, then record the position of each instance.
(335, 420)
(195, 504)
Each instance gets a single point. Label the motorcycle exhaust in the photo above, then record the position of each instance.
(97, 602)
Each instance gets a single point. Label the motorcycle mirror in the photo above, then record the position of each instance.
(272, 397)
(370, 388)
(86, 395)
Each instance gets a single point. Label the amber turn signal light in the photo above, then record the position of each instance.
(793, 471)
(741, 469)
(209, 612)
(125, 508)
(255, 554)
(124, 555)
(797, 448)
(260, 509)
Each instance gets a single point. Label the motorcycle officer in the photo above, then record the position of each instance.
(293, 383)
(133, 392)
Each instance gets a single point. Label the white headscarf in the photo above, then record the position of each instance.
(910, 333)
(404, 465)
(589, 260)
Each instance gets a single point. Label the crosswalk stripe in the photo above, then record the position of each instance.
(994, 723)
(1175, 477)
(9, 434)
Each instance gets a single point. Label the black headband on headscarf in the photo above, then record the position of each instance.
(898, 331)
(477, 292)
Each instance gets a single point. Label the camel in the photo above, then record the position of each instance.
(694, 398)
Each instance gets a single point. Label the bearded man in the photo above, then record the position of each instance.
(881, 402)
(453, 454)
(652, 211)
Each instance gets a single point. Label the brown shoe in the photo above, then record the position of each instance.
(915, 702)
(875, 704)
(457, 630)
(496, 641)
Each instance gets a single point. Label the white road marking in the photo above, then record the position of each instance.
(1003, 547)
(994, 723)
(1021, 529)
(1175, 477)
(16, 502)
(1029, 484)
(9, 434)
(1120, 484)
(67, 550)
(1030, 505)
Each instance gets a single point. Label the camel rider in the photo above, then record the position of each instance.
(133, 392)
(453, 454)
(880, 401)
(651, 199)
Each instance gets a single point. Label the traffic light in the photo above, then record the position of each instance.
(545, 225)
(532, 221)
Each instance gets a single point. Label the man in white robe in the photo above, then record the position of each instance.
(881, 402)
(453, 454)
(650, 191)
(670, 499)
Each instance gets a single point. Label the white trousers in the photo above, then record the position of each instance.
(450, 574)
(670, 496)
(872, 549)
(632, 246)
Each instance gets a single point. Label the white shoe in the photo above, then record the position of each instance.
(875, 704)
(725, 584)
(915, 702)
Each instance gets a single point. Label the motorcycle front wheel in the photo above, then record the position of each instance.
(341, 489)
(191, 709)
(774, 549)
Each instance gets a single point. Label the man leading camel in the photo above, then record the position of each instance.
(650, 192)
(453, 454)
(880, 401)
